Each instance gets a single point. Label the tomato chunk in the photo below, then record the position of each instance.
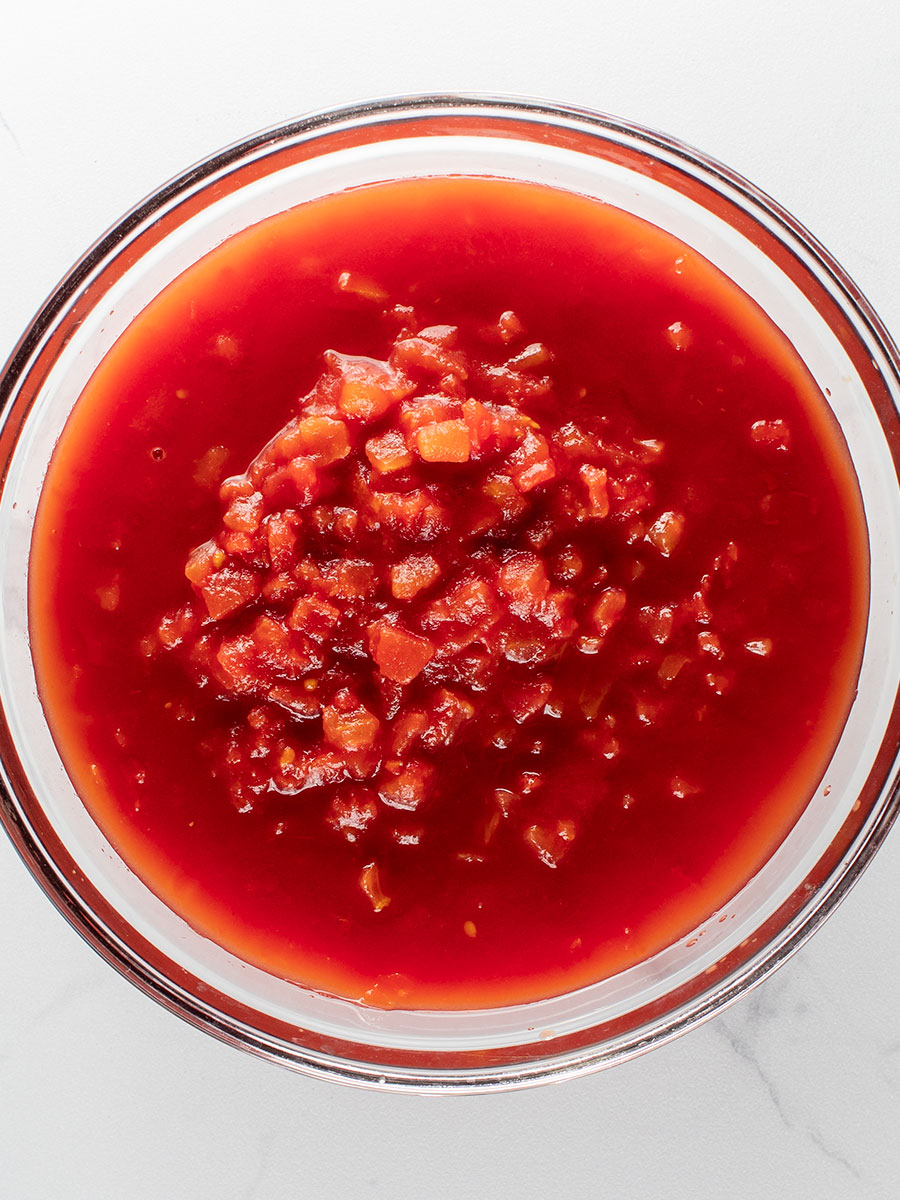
(227, 591)
(400, 655)
(412, 574)
(388, 452)
(353, 729)
(444, 441)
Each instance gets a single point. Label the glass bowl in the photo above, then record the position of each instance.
(762, 249)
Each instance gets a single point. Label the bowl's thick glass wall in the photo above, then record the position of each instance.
(748, 237)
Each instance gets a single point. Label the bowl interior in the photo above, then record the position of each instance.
(746, 238)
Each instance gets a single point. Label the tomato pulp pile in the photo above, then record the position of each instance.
(448, 593)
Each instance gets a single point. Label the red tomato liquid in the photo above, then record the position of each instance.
(703, 656)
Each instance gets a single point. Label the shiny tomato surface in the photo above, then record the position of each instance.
(448, 593)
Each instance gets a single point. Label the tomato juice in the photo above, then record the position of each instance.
(448, 593)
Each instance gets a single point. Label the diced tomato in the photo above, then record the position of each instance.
(573, 441)
(670, 668)
(410, 788)
(719, 682)
(388, 452)
(551, 842)
(480, 422)
(353, 730)
(524, 700)
(648, 450)
(310, 769)
(297, 480)
(209, 467)
(238, 545)
(658, 621)
(176, 626)
(412, 574)
(338, 520)
(533, 356)
(541, 533)
(235, 485)
(440, 335)
(349, 578)
(236, 657)
(666, 532)
(290, 654)
(413, 514)
(469, 601)
(556, 612)
(594, 480)
(296, 699)
(531, 465)
(514, 386)
(647, 709)
(697, 608)
(509, 326)
(524, 579)
(449, 712)
(279, 586)
(368, 388)
(773, 435)
(679, 336)
(203, 561)
(607, 609)
(424, 357)
(314, 616)
(407, 729)
(568, 564)
(400, 655)
(501, 490)
(323, 439)
(352, 811)
(360, 285)
(281, 538)
(228, 590)
(710, 643)
(444, 441)
(425, 410)
(761, 647)
(370, 882)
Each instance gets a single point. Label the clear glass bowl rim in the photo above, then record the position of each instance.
(847, 861)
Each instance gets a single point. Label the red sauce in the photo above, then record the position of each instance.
(476, 659)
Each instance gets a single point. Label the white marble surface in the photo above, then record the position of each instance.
(795, 1091)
